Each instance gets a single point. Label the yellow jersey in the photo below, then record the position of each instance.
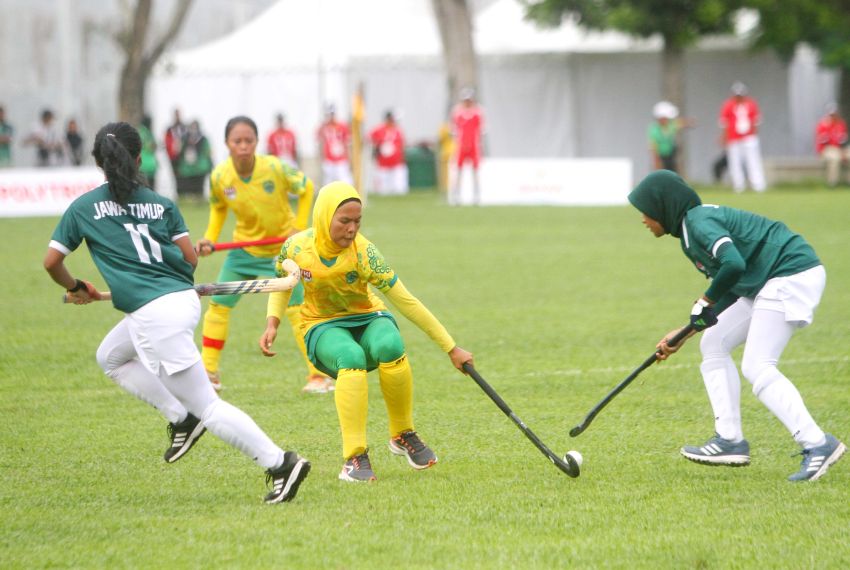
(260, 202)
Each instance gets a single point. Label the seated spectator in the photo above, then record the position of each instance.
(831, 143)
(663, 135)
(49, 143)
(74, 143)
(6, 132)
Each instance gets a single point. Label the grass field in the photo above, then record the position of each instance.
(557, 304)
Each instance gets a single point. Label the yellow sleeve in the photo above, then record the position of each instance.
(305, 203)
(413, 309)
(278, 301)
(218, 215)
(299, 185)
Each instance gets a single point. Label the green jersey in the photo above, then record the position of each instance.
(133, 247)
(6, 132)
(768, 247)
(663, 137)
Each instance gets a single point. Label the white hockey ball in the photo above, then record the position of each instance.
(576, 456)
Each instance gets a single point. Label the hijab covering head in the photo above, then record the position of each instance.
(330, 198)
(666, 198)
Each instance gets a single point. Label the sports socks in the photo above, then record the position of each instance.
(216, 325)
(352, 405)
(397, 387)
(723, 386)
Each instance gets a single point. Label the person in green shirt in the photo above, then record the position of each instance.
(766, 282)
(663, 135)
(140, 244)
(149, 164)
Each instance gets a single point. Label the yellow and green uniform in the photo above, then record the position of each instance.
(261, 206)
(347, 328)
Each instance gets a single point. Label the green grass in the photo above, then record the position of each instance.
(557, 304)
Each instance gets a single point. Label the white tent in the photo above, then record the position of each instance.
(547, 93)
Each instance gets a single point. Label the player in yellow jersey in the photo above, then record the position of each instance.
(349, 331)
(255, 188)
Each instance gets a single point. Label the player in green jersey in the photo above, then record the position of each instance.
(140, 244)
(766, 282)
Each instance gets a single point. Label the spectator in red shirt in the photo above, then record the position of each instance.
(831, 143)
(282, 144)
(739, 120)
(468, 122)
(334, 138)
(388, 150)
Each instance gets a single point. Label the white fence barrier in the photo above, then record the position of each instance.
(44, 191)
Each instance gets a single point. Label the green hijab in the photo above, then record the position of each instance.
(666, 198)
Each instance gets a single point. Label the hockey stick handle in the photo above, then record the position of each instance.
(570, 466)
(677, 338)
(238, 287)
(240, 244)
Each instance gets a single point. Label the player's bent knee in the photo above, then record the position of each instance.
(761, 378)
(352, 357)
(388, 349)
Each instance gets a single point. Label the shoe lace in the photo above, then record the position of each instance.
(410, 440)
(361, 462)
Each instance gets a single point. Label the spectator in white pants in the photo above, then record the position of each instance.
(830, 143)
(739, 119)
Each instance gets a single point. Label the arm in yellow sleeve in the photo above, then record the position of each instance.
(218, 214)
(413, 309)
(277, 304)
(305, 203)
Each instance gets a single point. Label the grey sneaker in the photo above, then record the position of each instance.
(818, 459)
(419, 455)
(287, 478)
(358, 469)
(719, 451)
(183, 437)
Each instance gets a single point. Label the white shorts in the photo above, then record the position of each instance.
(392, 180)
(797, 296)
(336, 171)
(163, 331)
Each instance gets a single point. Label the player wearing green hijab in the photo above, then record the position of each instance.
(766, 282)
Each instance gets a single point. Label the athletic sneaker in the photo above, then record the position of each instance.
(183, 437)
(419, 455)
(818, 459)
(318, 385)
(287, 478)
(215, 380)
(358, 469)
(719, 451)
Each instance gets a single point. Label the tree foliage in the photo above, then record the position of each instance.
(679, 22)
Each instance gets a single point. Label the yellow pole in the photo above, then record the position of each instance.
(358, 113)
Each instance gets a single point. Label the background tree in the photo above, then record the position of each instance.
(679, 23)
(824, 25)
(454, 19)
(133, 39)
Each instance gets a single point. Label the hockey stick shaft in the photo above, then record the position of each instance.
(577, 430)
(570, 467)
(239, 244)
(238, 287)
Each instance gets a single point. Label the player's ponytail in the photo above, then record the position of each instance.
(116, 150)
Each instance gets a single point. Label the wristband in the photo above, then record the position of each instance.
(80, 285)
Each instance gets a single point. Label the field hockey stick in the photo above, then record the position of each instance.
(622, 385)
(568, 464)
(238, 244)
(237, 287)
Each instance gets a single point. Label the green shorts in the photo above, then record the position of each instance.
(242, 266)
(356, 326)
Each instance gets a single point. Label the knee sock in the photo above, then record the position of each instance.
(293, 314)
(352, 406)
(134, 378)
(216, 324)
(783, 399)
(724, 392)
(397, 386)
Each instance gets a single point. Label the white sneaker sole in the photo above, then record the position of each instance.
(730, 460)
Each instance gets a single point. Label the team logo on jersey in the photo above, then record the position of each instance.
(230, 192)
(351, 277)
(268, 186)
(306, 275)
